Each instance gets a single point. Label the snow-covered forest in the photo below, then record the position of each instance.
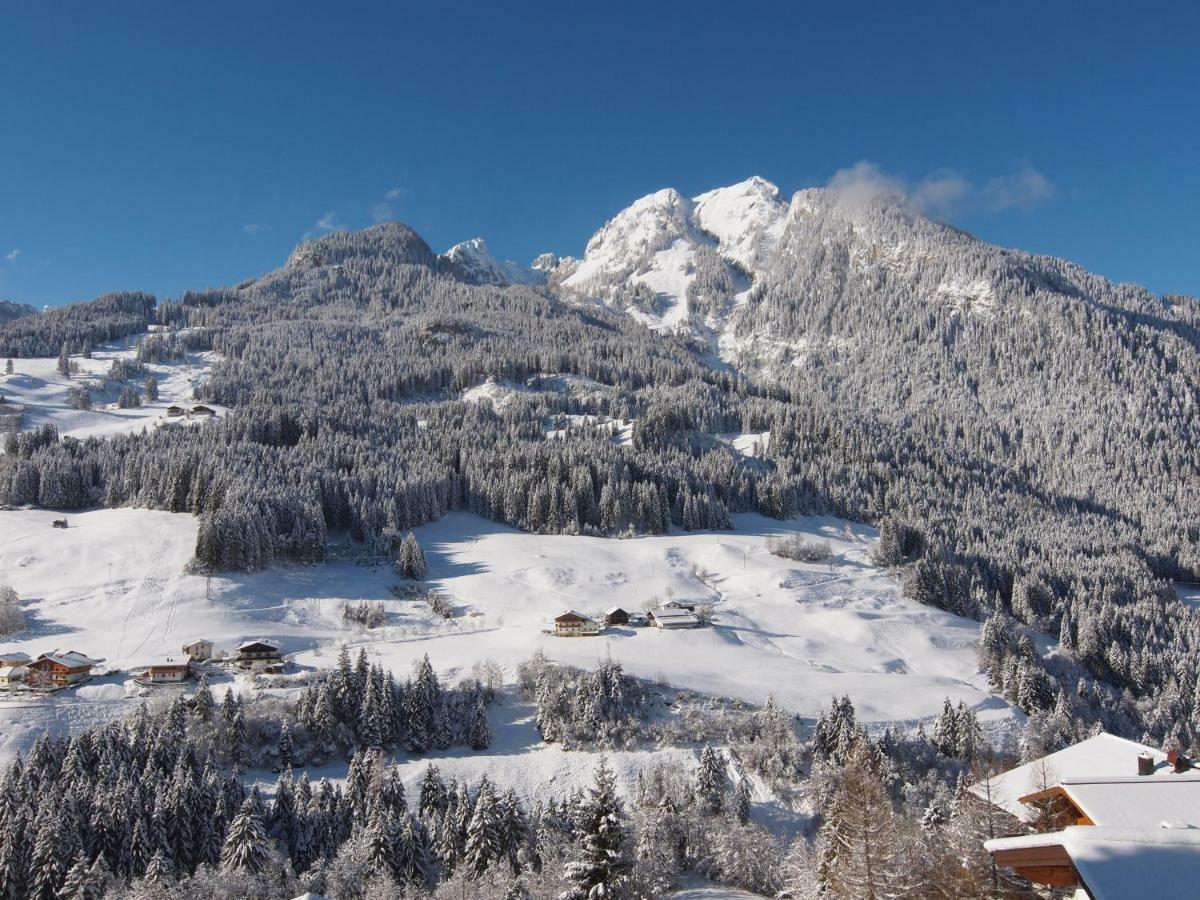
(1021, 432)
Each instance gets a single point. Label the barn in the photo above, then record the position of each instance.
(616, 616)
(673, 618)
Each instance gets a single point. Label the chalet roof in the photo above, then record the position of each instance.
(160, 662)
(193, 643)
(1138, 802)
(615, 609)
(13, 671)
(261, 642)
(1104, 755)
(570, 613)
(10, 659)
(1123, 862)
(68, 658)
(672, 613)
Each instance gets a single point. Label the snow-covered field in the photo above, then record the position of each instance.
(37, 386)
(112, 586)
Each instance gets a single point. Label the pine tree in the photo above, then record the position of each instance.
(247, 847)
(410, 563)
(711, 780)
(202, 701)
(599, 863)
(479, 735)
(741, 800)
(484, 839)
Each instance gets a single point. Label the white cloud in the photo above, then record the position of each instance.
(385, 209)
(12, 254)
(253, 228)
(1023, 190)
(329, 222)
(944, 193)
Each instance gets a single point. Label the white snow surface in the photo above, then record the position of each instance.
(36, 386)
(112, 586)
(746, 219)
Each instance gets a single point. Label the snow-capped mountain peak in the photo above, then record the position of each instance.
(745, 218)
(472, 261)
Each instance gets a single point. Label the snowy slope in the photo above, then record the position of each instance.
(802, 632)
(41, 392)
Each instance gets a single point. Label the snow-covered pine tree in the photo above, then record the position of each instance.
(599, 863)
(247, 847)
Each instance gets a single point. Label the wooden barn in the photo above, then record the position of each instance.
(616, 616)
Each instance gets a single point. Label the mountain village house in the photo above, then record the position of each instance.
(199, 650)
(60, 668)
(168, 670)
(8, 660)
(575, 624)
(260, 655)
(11, 676)
(616, 616)
(1110, 817)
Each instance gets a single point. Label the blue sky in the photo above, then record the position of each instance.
(161, 146)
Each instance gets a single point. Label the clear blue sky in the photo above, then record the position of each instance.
(162, 145)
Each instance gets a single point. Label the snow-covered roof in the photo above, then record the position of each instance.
(576, 613)
(1138, 802)
(193, 643)
(261, 642)
(615, 609)
(1103, 755)
(1117, 863)
(13, 658)
(69, 658)
(673, 613)
(164, 661)
(13, 671)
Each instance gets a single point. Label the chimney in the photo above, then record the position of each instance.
(1145, 763)
(1178, 761)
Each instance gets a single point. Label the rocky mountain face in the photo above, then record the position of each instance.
(10, 310)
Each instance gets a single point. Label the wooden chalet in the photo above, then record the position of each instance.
(60, 668)
(14, 659)
(175, 411)
(575, 624)
(202, 410)
(258, 655)
(1099, 810)
(11, 676)
(616, 616)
